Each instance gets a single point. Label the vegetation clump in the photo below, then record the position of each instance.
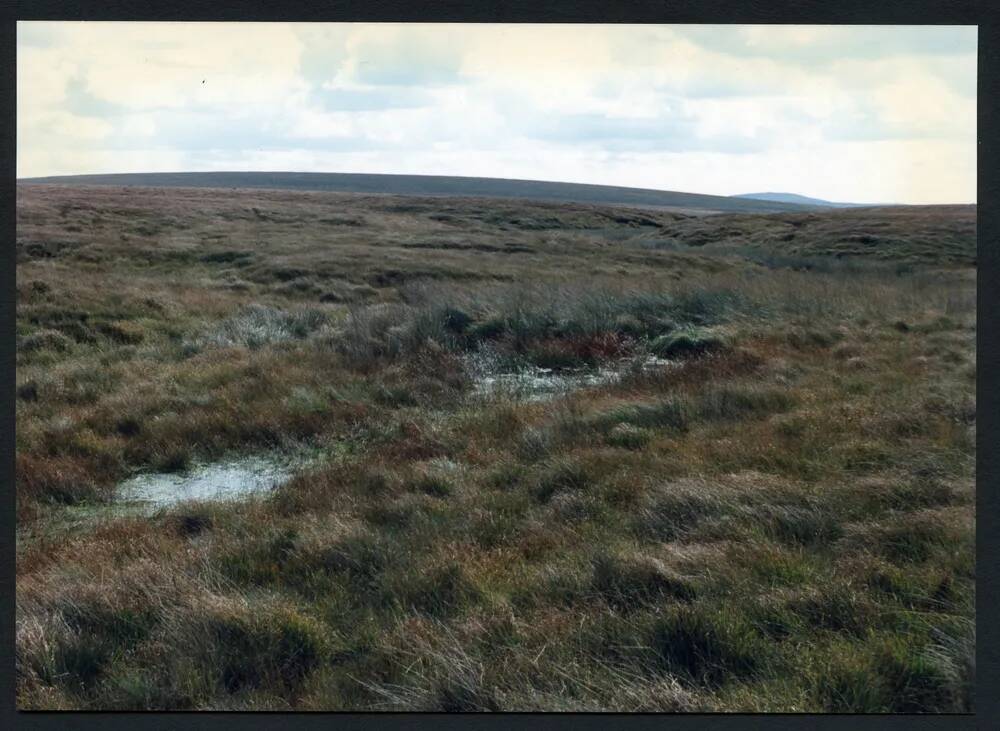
(629, 582)
(257, 325)
(688, 344)
(709, 646)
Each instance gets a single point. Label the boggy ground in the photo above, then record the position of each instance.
(781, 520)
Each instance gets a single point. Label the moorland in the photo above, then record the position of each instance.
(768, 505)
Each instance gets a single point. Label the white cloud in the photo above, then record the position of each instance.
(856, 113)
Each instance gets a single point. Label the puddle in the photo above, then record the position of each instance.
(542, 384)
(146, 493)
(220, 481)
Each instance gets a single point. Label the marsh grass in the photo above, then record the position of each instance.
(780, 519)
(256, 326)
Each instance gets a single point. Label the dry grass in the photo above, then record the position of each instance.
(780, 521)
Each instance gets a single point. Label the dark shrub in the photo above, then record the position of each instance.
(101, 633)
(456, 321)
(687, 344)
(227, 257)
(911, 542)
(556, 354)
(915, 681)
(128, 426)
(193, 523)
(28, 391)
(175, 460)
(895, 676)
(710, 646)
(489, 329)
(274, 647)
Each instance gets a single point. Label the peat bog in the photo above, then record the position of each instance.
(748, 484)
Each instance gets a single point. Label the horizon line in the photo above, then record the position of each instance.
(745, 196)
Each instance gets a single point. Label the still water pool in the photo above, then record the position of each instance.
(230, 480)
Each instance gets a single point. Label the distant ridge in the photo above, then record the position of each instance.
(437, 185)
(795, 198)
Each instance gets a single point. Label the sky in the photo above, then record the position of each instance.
(875, 114)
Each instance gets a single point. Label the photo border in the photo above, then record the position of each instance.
(908, 12)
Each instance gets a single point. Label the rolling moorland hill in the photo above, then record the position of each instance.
(801, 199)
(436, 185)
(186, 222)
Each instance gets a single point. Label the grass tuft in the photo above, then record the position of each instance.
(709, 646)
(631, 581)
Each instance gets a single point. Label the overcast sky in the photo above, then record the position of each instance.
(854, 113)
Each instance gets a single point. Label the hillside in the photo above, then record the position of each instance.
(434, 185)
(799, 199)
(464, 237)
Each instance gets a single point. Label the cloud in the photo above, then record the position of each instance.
(677, 132)
(823, 45)
(80, 101)
(719, 109)
(340, 99)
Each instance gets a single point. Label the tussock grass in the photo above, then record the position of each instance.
(257, 325)
(629, 582)
(628, 436)
(686, 344)
(709, 646)
(779, 519)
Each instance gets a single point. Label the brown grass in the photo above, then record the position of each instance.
(780, 523)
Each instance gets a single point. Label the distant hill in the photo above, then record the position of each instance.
(801, 200)
(439, 185)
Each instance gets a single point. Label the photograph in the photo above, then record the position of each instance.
(495, 367)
